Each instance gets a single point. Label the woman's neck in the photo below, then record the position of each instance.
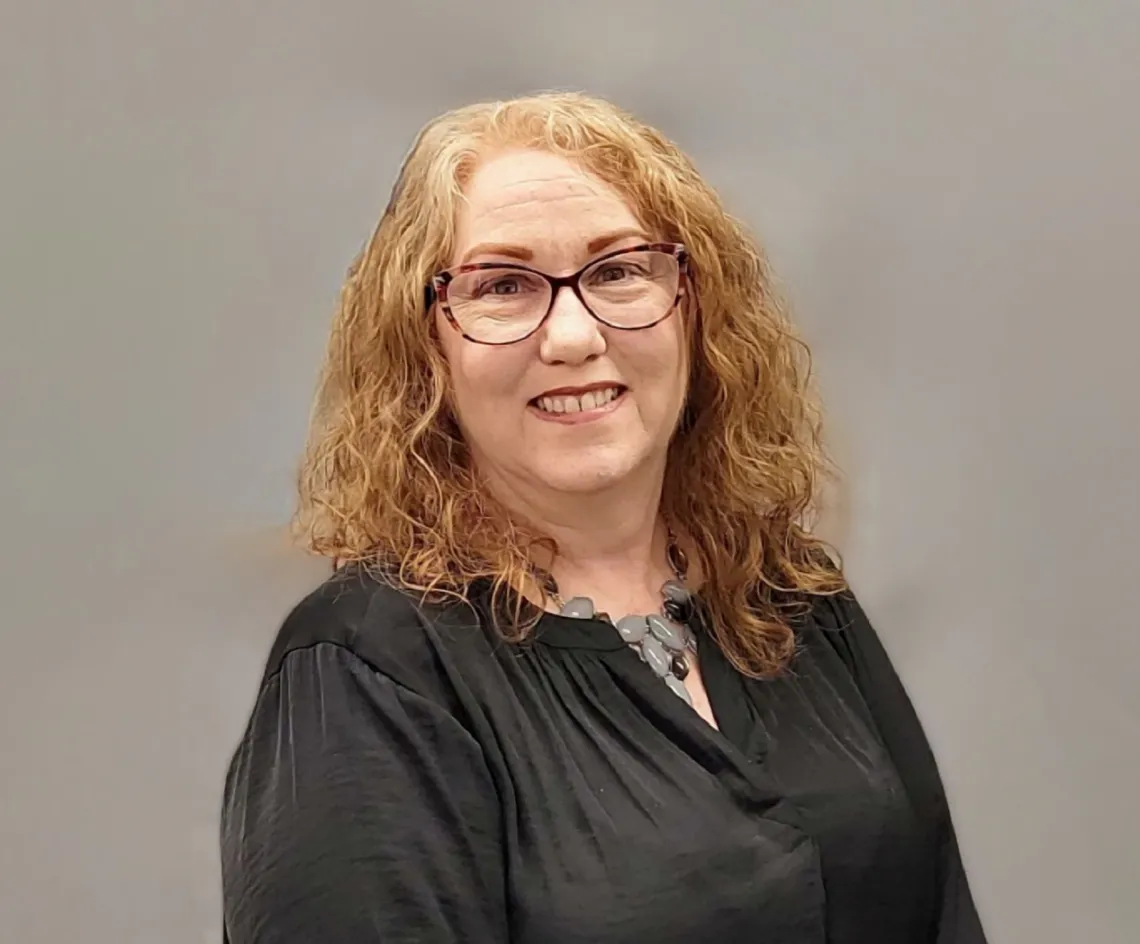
(611, 543)
(625, 545)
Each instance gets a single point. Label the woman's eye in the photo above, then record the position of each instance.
(613, 273)
(499, 287)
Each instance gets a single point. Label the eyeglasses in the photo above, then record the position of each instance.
(502, 303)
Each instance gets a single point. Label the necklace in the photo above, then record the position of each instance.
(662, 640)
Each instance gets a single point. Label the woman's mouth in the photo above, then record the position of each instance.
(578, 407)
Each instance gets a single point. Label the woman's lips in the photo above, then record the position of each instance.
(580, 416)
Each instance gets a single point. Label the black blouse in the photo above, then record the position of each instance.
(407, 776)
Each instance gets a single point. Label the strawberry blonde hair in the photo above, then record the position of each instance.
(386, 477)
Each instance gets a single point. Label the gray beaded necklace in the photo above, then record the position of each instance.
(663, 640)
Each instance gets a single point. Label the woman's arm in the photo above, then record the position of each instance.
(358, 811)
(957, 918)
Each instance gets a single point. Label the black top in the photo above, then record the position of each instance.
(407, 776)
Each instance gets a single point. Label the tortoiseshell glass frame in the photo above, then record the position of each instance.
(436, 289)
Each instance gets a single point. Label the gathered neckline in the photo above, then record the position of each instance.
(573, 632)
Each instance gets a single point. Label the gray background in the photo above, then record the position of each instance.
(950, 190)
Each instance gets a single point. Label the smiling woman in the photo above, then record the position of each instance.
(550, 341)
(588, 676)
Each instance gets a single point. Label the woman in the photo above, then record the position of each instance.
(585, 676)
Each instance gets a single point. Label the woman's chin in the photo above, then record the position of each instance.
(585, 473)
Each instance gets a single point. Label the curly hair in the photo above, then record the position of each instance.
(387, 480)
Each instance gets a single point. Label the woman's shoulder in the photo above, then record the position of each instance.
(839, 623)
(376, 622)
(835, 620)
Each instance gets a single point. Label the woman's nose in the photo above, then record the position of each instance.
(571, 334)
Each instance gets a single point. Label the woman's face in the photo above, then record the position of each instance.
(544, 211)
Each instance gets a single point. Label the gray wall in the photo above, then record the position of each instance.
(951, 191)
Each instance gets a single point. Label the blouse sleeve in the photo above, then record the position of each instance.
(358, 811)
(956, 920)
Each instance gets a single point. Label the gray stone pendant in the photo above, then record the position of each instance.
(677, 687)
(578, 608)
(668, 633)
(633, 629)
(656, 657)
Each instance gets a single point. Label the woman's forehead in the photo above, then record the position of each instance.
(525, 204)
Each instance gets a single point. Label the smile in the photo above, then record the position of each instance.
(577, 408)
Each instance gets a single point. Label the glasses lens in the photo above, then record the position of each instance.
(632, 290)
(497, 306)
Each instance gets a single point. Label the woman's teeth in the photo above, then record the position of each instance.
(587, 401)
